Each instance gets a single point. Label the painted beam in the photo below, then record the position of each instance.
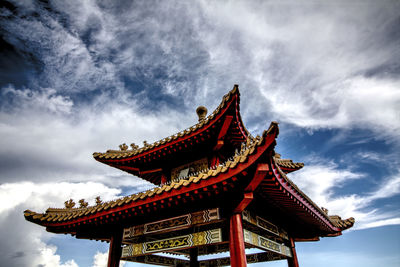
(265, 243)
(264, 224)
(172, 224)
(175, 243)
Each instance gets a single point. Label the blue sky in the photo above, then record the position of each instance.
(78, 77)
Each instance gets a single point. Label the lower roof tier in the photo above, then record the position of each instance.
(253, 175)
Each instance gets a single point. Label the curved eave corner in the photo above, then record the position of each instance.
(287, 165)
(232, 97)
(334, 223)
(249, 154)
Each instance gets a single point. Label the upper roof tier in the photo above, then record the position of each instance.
(221, 132)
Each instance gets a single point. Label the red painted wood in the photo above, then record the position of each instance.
(261, 172)
(236, 242)
(150, 171)
(220, 143)
(126, 168)
(247, 198)
(293, 262)
(114, 253)
(214, 161)
(225, 127)
(223, 131)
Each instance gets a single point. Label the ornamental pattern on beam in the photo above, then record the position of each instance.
(265, 243)
(180, 242)
(175, 223)
(264, 224)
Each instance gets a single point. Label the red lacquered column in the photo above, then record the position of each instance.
(114, 253)
(293, 262)
(236, 242)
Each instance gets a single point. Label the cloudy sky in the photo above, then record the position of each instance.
(83, 76)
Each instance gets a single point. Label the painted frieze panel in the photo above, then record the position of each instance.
(180, 242)
(265, 243)
(172, 224)
(264, 224)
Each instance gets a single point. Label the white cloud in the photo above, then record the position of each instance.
(100, 260)
(27, 243)
(41, 145)
(318, 181)
(357, 102)
(46, 100)
(48, 258)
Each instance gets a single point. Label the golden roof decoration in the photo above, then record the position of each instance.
(123, 147)
(83, 203)
(69, 204)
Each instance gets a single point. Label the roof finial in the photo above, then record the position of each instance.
(69, 204)
(123, 147)
(98, 200)
(201, 112)
(83, 203)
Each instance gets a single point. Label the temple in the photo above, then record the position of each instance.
(216, 189)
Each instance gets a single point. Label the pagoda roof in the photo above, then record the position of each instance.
(224, 122)
(209, 181)
(228, 106)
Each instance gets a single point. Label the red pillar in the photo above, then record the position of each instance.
(114, 253)
(236, 242)
(293, 262)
